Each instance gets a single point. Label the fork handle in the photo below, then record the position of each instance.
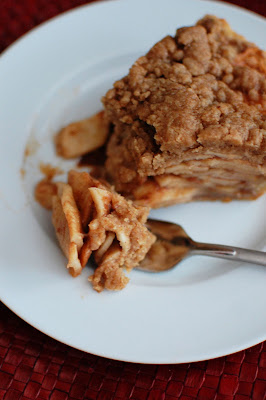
(229, 253)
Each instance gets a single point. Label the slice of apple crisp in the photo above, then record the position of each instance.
(189, 119)
(91, 218)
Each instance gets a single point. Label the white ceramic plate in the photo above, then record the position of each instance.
(204, 308)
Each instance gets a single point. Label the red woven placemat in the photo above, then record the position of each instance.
(34, 366)
(37, 366)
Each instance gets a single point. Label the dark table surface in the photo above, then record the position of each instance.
(34, 366)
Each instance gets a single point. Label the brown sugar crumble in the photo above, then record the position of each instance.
(190, 119)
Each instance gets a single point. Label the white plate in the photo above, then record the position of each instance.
(204, 308)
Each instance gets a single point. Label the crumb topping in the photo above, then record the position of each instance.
(204, 85)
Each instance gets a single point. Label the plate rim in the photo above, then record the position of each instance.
(237, 349)
(96, 3)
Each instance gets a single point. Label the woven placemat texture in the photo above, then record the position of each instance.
(34, 366)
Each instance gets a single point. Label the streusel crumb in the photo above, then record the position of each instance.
(194, 98)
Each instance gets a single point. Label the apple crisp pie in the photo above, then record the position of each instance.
(89, 217)
(187, 123)
(189, 120)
